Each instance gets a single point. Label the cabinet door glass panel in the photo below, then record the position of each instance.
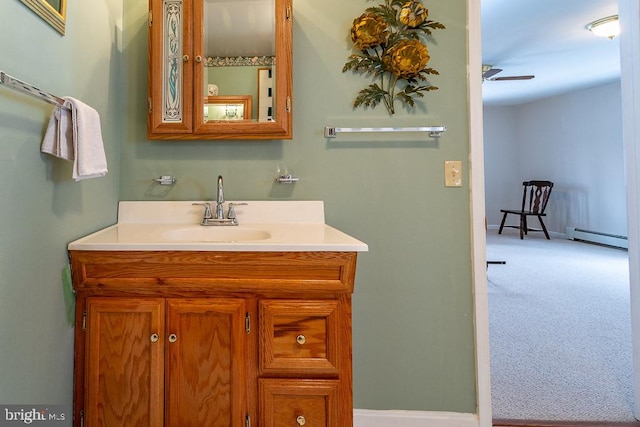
(172, 75)
(171, 69)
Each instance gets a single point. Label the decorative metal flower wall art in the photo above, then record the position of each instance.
(391, 40)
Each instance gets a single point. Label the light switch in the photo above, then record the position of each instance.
(453, 173)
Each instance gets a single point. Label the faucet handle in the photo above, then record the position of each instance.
(231, 213)
(207, 209)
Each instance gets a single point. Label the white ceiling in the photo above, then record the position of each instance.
(546, 38)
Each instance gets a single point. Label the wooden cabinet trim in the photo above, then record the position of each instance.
(187, 271)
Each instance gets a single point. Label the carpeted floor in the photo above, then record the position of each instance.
(560, 329)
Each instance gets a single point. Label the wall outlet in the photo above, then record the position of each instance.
(453, 173)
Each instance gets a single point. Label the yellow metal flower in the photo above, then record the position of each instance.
(391, 39)
(413, 14)
(407, 58)
(369, 31)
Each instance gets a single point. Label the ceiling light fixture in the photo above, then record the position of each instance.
(605, 27)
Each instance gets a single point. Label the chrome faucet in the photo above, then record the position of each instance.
(220, 199)
(219, 217)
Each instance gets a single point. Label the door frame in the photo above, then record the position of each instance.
(629, 11)
(478, 215)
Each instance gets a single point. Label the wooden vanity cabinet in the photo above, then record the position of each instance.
(220, 339)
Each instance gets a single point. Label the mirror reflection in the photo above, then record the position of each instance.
(239, 47)
(218, 108)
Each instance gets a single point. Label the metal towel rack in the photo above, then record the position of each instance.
(434, 131)
(26, 88)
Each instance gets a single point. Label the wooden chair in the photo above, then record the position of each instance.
(535, 196)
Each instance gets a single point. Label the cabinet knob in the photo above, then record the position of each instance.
(185, 58)
(301, 339)
(198, 58)
(173, 338)
(301, 420)
(154, 337)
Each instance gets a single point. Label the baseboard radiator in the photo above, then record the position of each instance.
(597, 237)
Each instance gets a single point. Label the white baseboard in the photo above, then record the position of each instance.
(371, 418)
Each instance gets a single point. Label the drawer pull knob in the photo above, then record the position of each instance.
(301, 339)
(300, 420)
(154, 337)
(173, 338)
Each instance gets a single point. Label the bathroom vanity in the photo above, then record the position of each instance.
(183, 325)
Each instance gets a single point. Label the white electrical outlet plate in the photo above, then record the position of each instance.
(453, 173)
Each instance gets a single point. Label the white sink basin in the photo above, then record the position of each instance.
(264, 226)
(217, 234)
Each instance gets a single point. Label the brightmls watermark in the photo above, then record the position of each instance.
(38, 415)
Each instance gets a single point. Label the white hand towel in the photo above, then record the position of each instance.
(75, 134)
(58, 139)
(90, 160)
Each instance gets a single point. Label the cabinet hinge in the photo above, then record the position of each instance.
(150, 18)
(81, 418)
(150, 102)
(288, 12)
(288, 104)
(247, 323)
(84, 320)
(247, 420)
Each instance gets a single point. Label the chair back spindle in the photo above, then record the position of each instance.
(539, 192)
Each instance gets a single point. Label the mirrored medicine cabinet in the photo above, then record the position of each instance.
(220, 69)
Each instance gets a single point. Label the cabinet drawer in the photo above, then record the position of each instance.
(299, 336)
(308, 403)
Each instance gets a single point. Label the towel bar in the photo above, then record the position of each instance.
(26, 88)
(434, 131)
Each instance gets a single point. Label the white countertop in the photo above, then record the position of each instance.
(264, 226)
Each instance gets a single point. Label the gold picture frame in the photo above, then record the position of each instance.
(53, 12)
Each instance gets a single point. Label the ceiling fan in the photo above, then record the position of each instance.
(488, 72)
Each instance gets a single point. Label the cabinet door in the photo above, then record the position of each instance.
(300, 337)
(191, 47)
(171, 65)
(206, 380)
(309, 403)
(124, 362)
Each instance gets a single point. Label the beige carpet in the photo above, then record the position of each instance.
(560, 329)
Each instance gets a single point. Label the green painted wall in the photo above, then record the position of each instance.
(41, 207)
(413, 323)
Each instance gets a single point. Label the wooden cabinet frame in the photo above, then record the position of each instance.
(306, 287)
(186, 66)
